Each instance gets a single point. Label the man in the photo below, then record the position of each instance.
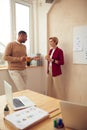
(15, 54)
(55, 59)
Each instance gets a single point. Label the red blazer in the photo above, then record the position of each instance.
(56, 68)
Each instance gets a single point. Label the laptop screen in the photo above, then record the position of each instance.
(8, 93)
(16, 103)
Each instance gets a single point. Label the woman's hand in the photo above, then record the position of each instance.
(47, 57)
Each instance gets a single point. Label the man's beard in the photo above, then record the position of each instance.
(23, 41)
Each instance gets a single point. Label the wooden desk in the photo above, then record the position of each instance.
(44, 102)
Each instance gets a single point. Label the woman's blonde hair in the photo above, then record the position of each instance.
(55, 39)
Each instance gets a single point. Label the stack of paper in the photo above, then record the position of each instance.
(26, 117)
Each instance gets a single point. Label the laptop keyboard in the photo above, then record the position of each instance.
(17, 103)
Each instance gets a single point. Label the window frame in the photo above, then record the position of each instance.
(13, 23)
(13, 20)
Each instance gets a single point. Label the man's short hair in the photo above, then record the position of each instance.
(22, 32)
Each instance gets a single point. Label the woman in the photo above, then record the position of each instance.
(55, 59)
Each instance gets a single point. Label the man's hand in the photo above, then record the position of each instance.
(28, 59)
(23, 58)
(36, 58)
(33, 58)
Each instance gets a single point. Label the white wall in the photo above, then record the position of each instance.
(34, 79)
(5, 76)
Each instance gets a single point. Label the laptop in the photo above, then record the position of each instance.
(74, 115)
(16, 103)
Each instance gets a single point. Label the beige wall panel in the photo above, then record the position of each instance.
(62, 18)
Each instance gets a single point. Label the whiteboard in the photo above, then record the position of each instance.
(80, 45)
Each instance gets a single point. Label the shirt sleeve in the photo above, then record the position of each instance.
(8, 54)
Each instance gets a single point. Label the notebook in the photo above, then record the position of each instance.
(74, 115)
(16, 103)
(27, 117)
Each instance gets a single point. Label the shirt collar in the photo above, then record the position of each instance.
(18, 42)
